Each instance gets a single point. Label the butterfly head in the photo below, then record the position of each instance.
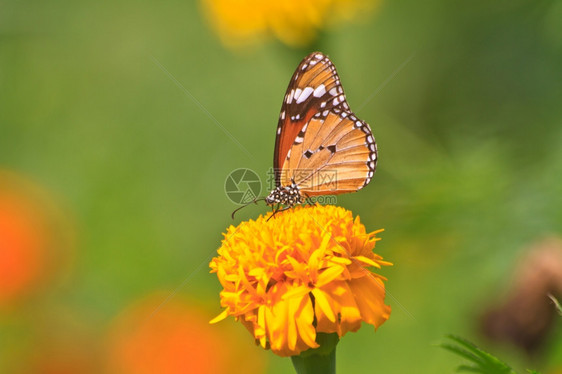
(285, 195)
(288, 196)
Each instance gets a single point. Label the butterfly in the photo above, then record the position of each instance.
(321, 147)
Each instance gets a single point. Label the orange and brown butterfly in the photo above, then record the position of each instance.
(321, 147)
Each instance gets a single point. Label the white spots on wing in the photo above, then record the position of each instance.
(372, 165)
(298, 92)
(304, 95)
(298, 116)
(325, 113)
(322, 104)
(333, 91)
(319, 56)
(370, 139)
(282, 115)
(345, 106)
(372, 148)
(319, 91)
(313, 62)
(358, 124)
(289, 99)
(344, 114)
(338, 100)
(299, 140)
(304, 67)
(279, 130)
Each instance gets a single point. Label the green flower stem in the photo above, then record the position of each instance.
(321, 360)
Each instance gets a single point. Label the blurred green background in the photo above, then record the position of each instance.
(101, 105)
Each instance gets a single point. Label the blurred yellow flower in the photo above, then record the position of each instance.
(300, 273)
(294, 22)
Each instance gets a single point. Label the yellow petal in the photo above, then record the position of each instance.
(367, 261)
(220, 317)
(328, 275)
(322, 302)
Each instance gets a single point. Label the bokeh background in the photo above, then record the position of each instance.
(120, 121)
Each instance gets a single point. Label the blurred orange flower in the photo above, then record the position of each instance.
(175, 338)
(294, 22)
(30, 241)
(61, 341)
(298, 274)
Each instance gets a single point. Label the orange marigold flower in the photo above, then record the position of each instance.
(173, 337)
(34, 238)
(298, 274)
(294, 22)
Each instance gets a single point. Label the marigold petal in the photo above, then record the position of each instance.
(299, 292)
(220, 317)
(340, 260)
(323, 303)
(305, 318)
(350, 319)
(272, 270)
(367, 261)
(370, 291)
(385, 263)
(328, 275)
(259, 326)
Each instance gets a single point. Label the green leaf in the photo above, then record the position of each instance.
(481, 361)
(461, 352)
(470, 369)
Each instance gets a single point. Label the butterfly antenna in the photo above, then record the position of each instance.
(255, 201)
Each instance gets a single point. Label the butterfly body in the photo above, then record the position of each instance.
(321, 147)
(285, 195)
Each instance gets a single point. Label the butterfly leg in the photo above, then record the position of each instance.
(308, 200)
(278, 210)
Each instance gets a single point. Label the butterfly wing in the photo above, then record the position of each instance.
(338, 154)
(321, 145)
(315, 87)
